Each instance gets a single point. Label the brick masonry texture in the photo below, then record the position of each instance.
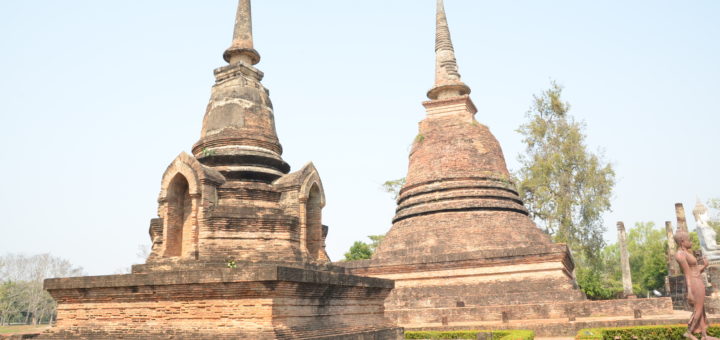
(264, 302)
(238, 246)
(462, 248)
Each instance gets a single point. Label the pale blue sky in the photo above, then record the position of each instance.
(98, 97)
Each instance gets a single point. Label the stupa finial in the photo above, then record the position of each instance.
(242, 49)
(447, 77)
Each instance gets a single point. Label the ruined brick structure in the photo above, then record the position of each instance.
(462, 249)
(238, 249)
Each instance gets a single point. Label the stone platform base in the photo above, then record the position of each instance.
(534, 311)
(258, 302)
(531, 283)
(564, 327)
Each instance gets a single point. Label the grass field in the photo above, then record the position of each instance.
(4, 330)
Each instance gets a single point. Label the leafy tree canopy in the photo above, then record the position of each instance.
(22, 297)
(648, 260)
(393, 187)
(359, 251)
(714, 222)
(565, 187)
(602, 279)
(364, 251)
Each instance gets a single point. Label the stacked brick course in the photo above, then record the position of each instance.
(259, 302)
(462, 248)
(238, 248)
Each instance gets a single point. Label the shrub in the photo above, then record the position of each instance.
(519, 335)
(663, 332)
(496, 335)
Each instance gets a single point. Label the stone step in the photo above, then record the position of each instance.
(486, 300)
(559, 310)
(527, 286)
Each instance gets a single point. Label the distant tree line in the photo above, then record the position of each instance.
(647, 246)
(22, 297)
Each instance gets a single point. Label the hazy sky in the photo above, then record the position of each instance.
(98, 97)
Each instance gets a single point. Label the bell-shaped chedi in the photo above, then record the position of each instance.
(462, 249)
(238, 135)
(233, 199)
(458, 196)
(240, 203)
(238, 248)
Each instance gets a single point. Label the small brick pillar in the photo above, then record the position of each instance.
(625, 262)
(681, 221)
(673, 268)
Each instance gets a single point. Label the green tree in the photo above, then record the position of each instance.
(714, 222)
(22, 297)
(375, 241)
(565, 187)
(363, 251)
(601, 278)
(648, 264)
(695, 240)
(714, 203)
(10, 303)
(359, 251)
(393, 187)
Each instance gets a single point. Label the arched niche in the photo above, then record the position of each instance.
(313, 222)
(178, 217)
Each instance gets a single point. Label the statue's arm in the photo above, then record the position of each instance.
(682, 261)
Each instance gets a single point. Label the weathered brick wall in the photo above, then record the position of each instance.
(262, 303)
(452, 144)
(238, 220)
(411, 318)
(460, 232)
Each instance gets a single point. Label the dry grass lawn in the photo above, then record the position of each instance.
(23, 329)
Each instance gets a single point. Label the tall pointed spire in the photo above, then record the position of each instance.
(238, 137)
(447, 77)
(242, 49)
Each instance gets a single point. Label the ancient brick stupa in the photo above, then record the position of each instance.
(462, 247)
(238, 248)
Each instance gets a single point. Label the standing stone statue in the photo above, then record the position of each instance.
(625, 262)
(706, 233)
(692, 271)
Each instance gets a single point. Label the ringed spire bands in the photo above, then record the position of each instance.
(457, 178)
(461, 233)
(447, 76)
(238, 244)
